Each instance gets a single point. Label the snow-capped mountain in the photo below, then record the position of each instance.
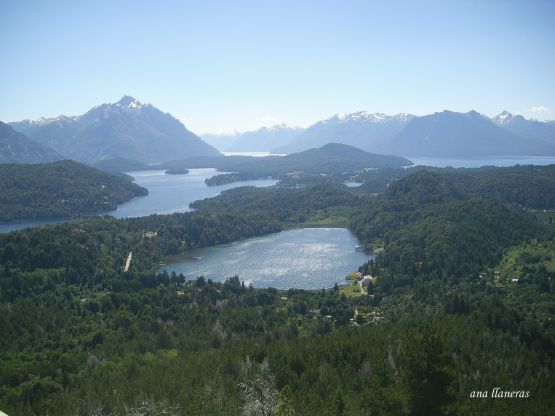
(360, 129)
(442, 134)
(126, 129)
(531, 129)
(452, 134)
(503, 118)
(367, 116)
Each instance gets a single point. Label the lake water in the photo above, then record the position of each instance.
(6, 228)
(253, 154)
(306, 258)
(166, 194)
(174, 193)
(502, 161)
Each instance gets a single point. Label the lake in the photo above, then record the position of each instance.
(306, 258)
(501, 161)
(173, 193)
(253, 154)
(166, 194)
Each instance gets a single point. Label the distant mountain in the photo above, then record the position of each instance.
(451, 134)
(18, 148)
(338, 157)
(263, 139)
(220, 141)
(362, 129)
(531, 129)
(332, 158)
(442, 134)
(126, 129)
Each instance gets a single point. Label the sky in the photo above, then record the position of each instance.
(238, 65)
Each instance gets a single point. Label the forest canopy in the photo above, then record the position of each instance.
(64, 189)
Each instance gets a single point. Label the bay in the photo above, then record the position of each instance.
(166, 194)
(173, 193)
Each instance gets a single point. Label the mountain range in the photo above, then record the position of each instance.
(450, 134)
(126, 129)
(141, 133)
(533, 129)
(442, 134)
(263, 139)
(361, 129)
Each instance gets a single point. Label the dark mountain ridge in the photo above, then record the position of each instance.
(18, 148)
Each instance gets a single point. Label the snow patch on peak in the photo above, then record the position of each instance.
(365, 115)
(276, 127)
(41, 121)
(503, 118)
(403, 116)
(369, 117)
(129, 102)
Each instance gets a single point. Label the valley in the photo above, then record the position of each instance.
(277, 208)
(212, 296)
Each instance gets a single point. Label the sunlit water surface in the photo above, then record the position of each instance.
(306, 258)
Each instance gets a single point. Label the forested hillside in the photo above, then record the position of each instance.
(17, 148)
(443, 316)
(62, 189)
(330, 159)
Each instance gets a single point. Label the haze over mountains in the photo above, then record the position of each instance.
(450, 134)
(140, 132)
(263, 139)
(126, 129)
(532, 129)
(442, 134)
(361, 129)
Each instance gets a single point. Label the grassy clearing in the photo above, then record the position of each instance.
(352, 290)
(525, 258)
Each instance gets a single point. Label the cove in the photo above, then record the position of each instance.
(173, 193)
(305, 258)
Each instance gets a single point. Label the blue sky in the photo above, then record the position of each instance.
(241, 64)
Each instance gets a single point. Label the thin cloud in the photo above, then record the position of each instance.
(540, 109)
(269, 119)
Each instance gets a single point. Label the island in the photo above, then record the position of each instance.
(177, 171)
